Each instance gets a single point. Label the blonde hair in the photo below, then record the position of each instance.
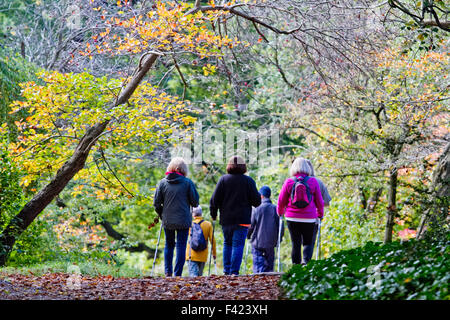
(300, 165)
(178, 165)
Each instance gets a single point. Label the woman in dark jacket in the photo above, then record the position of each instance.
(234, 196)
(174, 196)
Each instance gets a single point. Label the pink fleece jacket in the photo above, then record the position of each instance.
(312, 211)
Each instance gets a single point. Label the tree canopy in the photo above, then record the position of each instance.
(97, 95)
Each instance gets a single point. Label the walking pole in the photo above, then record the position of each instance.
(215, 266)
(210, 251)
(279, 244)
(156, 250)
(246, 255)
(318, 240)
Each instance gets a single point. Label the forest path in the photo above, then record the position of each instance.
(63, 286)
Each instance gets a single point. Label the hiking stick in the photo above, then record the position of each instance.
(156, 250)
(279, 244)
(246, 255)
(318, 240)
(215, 266)
(210, 252)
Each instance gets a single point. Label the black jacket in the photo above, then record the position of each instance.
(234, 196)
(173, 198)
(265, 226)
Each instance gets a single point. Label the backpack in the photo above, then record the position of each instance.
(301, 193)
(198, 241)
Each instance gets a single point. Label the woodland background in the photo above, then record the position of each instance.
(92, 91)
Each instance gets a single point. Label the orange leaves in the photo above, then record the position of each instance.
(60, 110)
(412, 87)
(407, 234)
(74, 227)
(167, 28)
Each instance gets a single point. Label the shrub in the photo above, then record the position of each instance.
(346, 226)
(412, 270)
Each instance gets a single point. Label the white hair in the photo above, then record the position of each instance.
(178, 165)
(312, 168)
(197, 211)
(300, 165)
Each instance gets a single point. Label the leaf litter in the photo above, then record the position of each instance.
(63, 286)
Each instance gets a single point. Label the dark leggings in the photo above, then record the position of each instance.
(301, 234)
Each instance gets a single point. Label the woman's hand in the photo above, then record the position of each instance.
(155, 222)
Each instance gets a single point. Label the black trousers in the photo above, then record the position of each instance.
(301, 234)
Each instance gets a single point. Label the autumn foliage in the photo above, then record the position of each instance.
(62, 106)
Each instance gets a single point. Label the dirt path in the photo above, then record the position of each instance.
(62, 286)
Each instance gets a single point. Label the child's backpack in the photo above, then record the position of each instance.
(198, 241)
(301, 193)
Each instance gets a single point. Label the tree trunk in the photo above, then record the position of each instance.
(35, 206)
(440, 193)
(43, 198)
(392, 208)
(373, 201)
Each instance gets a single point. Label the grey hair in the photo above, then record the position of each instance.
(300, 165)
(178, 165)
(197, 211)
(312, 168)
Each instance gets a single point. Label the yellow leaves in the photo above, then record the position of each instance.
(209, 69)
(77, 190)
(166, 27)
(65, 105)
(25, 181)
(100, 195)
(104, 33)
(188, 120)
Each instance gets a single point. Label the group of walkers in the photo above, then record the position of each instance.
(244, 213)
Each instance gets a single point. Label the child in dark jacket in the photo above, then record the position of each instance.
(264, 232)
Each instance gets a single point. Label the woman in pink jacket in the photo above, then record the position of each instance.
(300, 215)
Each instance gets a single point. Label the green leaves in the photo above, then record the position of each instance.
(409, 270)
(10, 192)
(61, 109)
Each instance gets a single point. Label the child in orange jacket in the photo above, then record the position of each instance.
(197, 259)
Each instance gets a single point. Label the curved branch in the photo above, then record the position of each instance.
(232, 9)
(139, 247)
